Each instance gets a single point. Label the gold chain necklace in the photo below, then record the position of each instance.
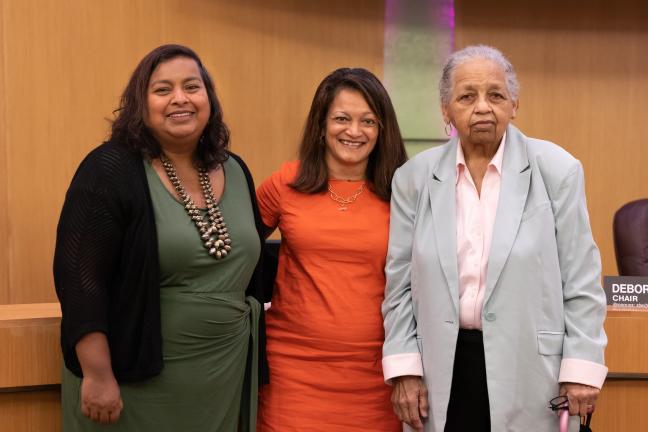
(344, 202)
(214, 233)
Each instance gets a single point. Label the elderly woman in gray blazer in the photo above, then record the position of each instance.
(493, 302)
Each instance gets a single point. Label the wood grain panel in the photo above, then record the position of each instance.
(4, 200)
(36, 411)
(29, 337)
(627, 351)
(68, 61)
(292, 46)
(620, 407)
(30, 411)
(582, 66)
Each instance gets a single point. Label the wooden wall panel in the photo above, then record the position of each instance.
(65, 64)
(40, 411)
(31, 411)
(30, 341)
(4, 204)
(625, 353)
(582, 67)
(621, 407)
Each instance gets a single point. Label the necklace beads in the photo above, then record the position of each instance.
(213, 231)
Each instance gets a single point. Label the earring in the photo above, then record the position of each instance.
(448, 133)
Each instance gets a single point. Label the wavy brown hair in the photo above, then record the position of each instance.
(130, 129)
(389, 152)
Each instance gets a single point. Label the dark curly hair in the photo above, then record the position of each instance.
(130, 129)
(389, 152)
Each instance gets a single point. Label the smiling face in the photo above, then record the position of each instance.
(351, 134)
(480, 106)
(177, 103)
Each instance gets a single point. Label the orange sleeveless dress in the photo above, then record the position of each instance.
(324, 329)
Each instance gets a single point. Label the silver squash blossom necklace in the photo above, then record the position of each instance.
(213, 233)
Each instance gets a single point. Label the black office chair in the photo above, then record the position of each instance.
(631, 238)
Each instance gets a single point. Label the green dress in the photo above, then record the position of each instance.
(209, 327)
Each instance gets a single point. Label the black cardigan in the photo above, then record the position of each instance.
(106, 268)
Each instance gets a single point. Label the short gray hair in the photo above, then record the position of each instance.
(473, 52)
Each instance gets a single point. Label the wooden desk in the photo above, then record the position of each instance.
(31, 362)
(621, 405)
(30, 368)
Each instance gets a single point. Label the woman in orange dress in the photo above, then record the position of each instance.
(324, 329)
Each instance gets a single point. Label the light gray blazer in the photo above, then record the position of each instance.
(543, 299)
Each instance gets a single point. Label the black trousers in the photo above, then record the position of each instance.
(468, 410)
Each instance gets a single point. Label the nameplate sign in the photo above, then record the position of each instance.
(626, 292)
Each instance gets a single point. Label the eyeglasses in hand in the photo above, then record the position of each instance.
(561, 403)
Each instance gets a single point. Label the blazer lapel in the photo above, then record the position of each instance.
(516, 177)
(443, 203)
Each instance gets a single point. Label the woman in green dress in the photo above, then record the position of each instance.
(157, 265)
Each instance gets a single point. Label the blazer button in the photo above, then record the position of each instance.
(490, 316)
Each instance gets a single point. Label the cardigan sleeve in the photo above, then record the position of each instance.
(88, 243)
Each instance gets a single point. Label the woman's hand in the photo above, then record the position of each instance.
(100, 399)
(100, 395)
(409, 399)
(581, 397)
